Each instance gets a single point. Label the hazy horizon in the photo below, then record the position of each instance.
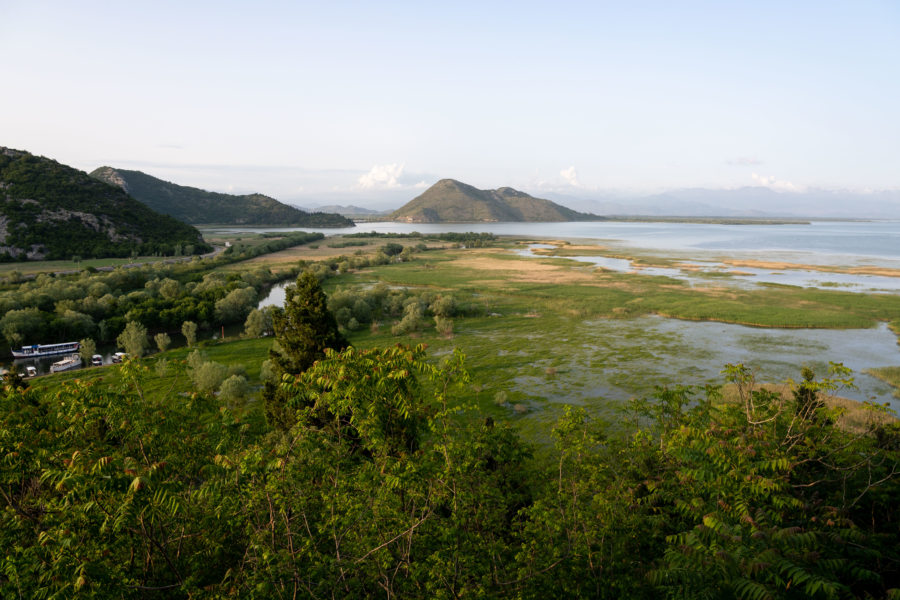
(370, 104)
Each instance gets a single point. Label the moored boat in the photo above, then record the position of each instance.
(66, 364)
(97, 360)
(39, 350)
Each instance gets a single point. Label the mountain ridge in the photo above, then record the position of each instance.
(197, 206)
(53, 211)
(452, 201)
(747, 201)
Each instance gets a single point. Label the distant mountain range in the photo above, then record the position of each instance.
(348, 211)
(451, 201)
(196, 206)
(751, 201)
(52, 211)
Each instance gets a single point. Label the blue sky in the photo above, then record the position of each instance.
(314, 102)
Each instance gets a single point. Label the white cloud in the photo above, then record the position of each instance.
(744, 161)
(382, 177)
(776, 184)
(570, 175)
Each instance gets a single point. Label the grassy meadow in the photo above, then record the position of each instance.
(547, 332)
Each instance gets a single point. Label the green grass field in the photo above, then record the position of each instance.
(554, 332)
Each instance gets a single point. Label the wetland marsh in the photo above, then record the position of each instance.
(595, 322)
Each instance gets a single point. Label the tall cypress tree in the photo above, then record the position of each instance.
(304, 328)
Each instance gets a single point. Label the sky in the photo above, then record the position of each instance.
(371, 102)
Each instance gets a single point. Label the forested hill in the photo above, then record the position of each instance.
(52, 211)
(196, 206)
(451, 201)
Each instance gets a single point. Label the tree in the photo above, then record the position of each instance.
(255, 325)
(424, 499)
(162, 341)
(23, 326)
(133, 339)
(87, 349)
(207, 376)
(169, 289)
(75, 324)
(189, 331)
(413, 318)
(304, 329)
(233, 388)
(235, 305)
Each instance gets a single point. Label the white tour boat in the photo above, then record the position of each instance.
(40, 350)
(66, 364)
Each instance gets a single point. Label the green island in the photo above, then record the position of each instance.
(436, 416)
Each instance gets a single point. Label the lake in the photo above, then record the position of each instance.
(843, 243)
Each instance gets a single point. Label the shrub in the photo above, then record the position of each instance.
(162, 341)
(392, 249)
(443, 306)
(208, 376)
(444, 326)
(189, 331)
(413, 319)
(87, 350)
(234, 388)
(133, 339)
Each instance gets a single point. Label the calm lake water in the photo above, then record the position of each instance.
(845, 243)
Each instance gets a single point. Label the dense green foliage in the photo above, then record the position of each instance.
(386, 486)
(97, 305)
(450, 201)
(196, 206)
(52, 211)
(354, 308)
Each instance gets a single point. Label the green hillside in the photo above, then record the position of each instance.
(196, 206)
(52, 211)
(451, 201)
